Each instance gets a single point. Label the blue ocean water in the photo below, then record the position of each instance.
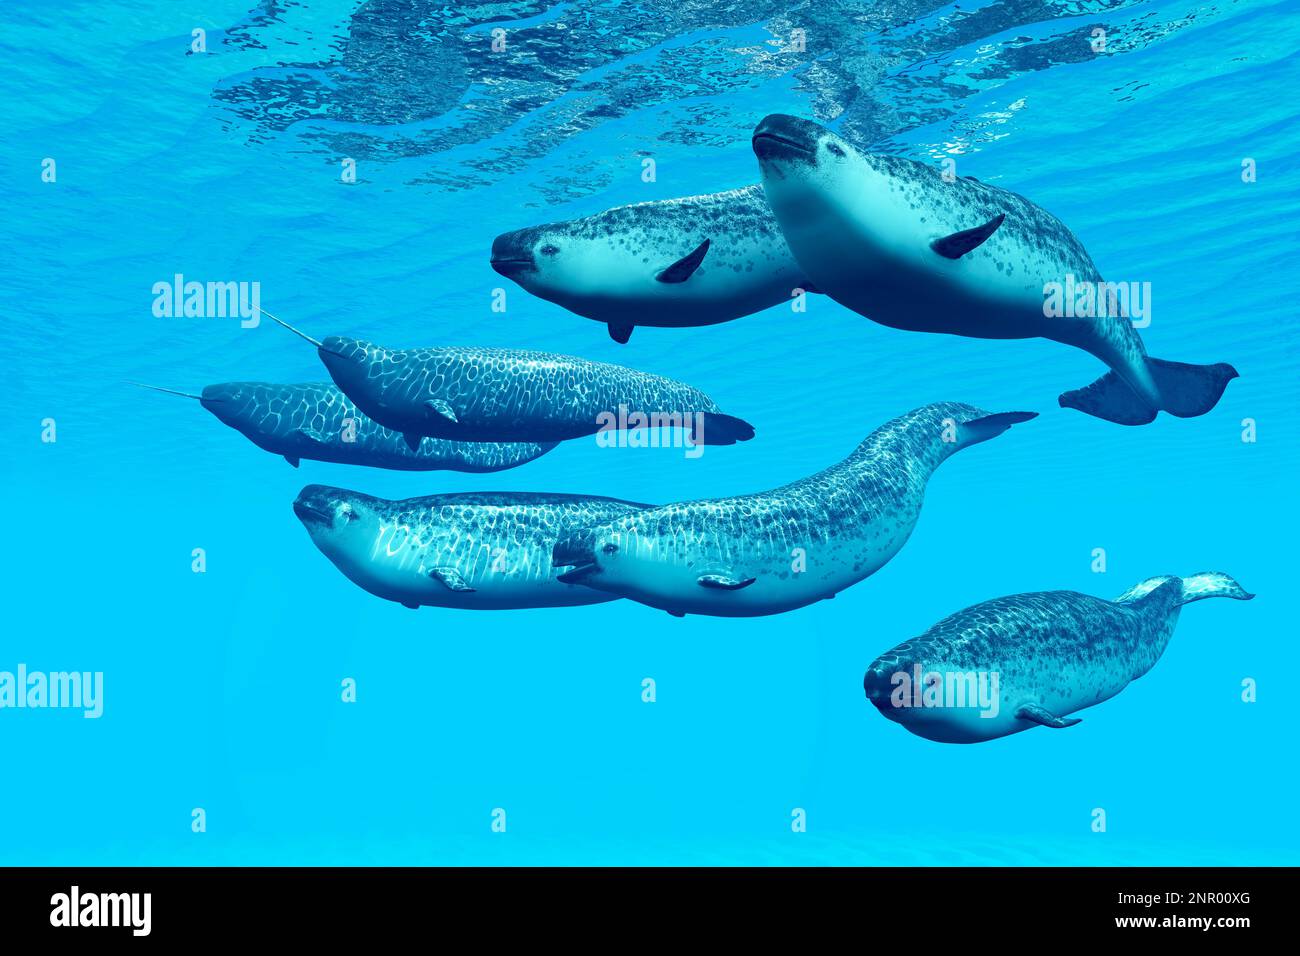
(222, 689)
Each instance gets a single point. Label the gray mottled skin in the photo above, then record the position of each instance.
(483, 550)
(605, 266)
(846, 522)
(1060, 651)
(861, 225)
(508, 394)
(308, 421)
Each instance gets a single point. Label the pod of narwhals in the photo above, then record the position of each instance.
(891, 239)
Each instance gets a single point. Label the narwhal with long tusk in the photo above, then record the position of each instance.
(316, 421)
(898, 242)
(672, 263)
(512, 395)
(1030, 660)
(781, 549)
(478, 551)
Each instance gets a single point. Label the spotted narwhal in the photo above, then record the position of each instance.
(781, 549)
(513, 395)
(671, 263)
(898, 242)
(481, 550)
(314, 420)
(1029, 660)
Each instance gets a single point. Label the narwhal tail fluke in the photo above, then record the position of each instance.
(1185, 590)
(977, 430)
(1185, 390)
(715, 428)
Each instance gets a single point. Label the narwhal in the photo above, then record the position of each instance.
(513, 395)
(782, 549)
(672, 263)
(479, 550)
(314, 420)
(1030, 660)
(906, 246)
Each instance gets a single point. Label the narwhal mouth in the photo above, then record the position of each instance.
(578, 574)
(775, 146)
(512, 252)
(877, 684)
(578, 557)
(309, 515)
(513, 266)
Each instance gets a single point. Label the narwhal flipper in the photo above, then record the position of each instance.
(685, 267)
(959, 243)
(451, 579)
(620, 333)
(724, 580)
(1038, 714)
(442, 409)
(1185, 390)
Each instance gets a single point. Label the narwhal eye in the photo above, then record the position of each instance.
(834, 149)
(550, 250)
(610, 548)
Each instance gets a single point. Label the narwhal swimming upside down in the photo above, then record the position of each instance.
(1028, 660)
(782, 549)
(899, 243)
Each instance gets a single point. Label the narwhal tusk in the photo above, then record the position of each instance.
(169, 391)
(279, 321)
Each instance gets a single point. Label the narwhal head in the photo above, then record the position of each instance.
(244, 406)
(339, 521)
(802, 162)
(598, 265)
(552, 262)
(235, 404)
(639, 557)
(936, 691)
(839, 208)
(605, 556)
(350, 363)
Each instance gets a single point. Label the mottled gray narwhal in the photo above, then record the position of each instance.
(906, 246)
(782, 549)
(1030, 660)
(698, 260)
(479, 550)
(512, 395)
(315, 421)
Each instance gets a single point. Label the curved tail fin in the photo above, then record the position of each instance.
(1185, 390)
(719, 429)
(976, 430)
(1185, 590)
